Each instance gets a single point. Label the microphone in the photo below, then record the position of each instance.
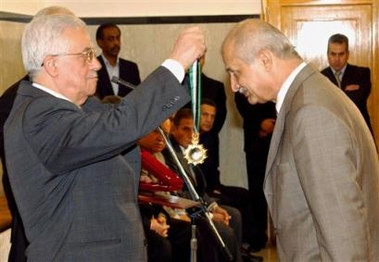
(120, 81)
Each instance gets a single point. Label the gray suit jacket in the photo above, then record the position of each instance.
(76, 193)
(322, 176)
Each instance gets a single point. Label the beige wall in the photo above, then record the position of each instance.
(130, 8)
(149, 45)
(10, 53)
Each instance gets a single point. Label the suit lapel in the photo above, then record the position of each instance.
(347, 76)
(280, 121)
(106, 84)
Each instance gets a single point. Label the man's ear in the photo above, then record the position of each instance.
(265, 58)
(100, 43)
(50, 66)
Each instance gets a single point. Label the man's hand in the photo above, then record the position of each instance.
(159, 225)
(189, 47)
(267, 127)
(221, 215)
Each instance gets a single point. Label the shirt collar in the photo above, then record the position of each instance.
(51, 92)
(342, 71)
(106, 62)
(286, 85)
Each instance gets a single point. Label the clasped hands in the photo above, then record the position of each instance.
(159, 225)
(220, 215)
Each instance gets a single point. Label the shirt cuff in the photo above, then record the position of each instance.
(175, 68)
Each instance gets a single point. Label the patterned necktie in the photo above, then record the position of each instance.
(337, 75)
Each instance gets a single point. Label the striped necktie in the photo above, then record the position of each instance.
(337, 75)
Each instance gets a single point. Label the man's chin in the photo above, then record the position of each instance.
(253, 100)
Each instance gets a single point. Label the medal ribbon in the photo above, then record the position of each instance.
(195, 88)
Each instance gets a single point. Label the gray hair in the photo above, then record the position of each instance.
(54, 10)
(339, 39)
(251, 36)
(43, 36)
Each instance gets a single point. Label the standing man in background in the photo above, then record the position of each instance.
(258, 125)
(354, 80)
(322, 173)
(108, 38)
(214, 90)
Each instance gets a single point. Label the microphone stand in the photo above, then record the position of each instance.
(186, 179)
(122, 82)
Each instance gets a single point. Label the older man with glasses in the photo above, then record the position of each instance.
(74, 189)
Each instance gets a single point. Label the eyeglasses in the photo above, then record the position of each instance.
(88, 54)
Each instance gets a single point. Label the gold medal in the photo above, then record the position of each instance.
(195, 153)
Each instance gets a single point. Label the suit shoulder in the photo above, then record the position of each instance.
(128, 62)
(358, 68)
(325, 70)
(211, 81)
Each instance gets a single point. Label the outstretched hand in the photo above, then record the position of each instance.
(189, 47)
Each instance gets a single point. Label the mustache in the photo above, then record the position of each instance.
(116, 48)
(242, 90)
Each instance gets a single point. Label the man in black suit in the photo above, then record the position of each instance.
(214, 90)
(234, 196)
(354, 80)
(108, 39)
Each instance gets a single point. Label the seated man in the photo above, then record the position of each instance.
(168, 238)
(237, 197)
(181, 135)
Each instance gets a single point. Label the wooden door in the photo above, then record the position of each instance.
(309, 24)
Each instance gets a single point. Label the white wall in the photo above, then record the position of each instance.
(133, 8)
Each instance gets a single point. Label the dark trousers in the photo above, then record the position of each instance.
(174, 248)
(239, 198)
(256, 165)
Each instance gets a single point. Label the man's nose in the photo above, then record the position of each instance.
(234, 84)
(95, 64)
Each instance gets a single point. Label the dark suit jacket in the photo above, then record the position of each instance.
(322, 176)
(355, 75)
(211, 164)
(252, 116)
(128, 72)
(215, 90)
(18, 238)
(75, 192)
(198, 181)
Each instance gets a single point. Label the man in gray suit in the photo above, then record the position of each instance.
(75, 191)
(322, 174)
